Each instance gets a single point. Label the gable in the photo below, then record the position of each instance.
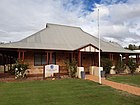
(89, 48)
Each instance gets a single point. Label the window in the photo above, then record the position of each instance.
(40, 58)
(53, 58)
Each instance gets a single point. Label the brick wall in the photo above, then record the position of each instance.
(88, 59)
(60, 58)
(29, 58)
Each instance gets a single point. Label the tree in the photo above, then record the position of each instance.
(72, 67)
(132, 65)
(133, 47)
(120, 66)
(130, 47)
(106, 64)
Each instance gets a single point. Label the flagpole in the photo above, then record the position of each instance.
(99, 48)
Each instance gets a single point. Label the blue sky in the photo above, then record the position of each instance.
(89, 5)
(119, 19)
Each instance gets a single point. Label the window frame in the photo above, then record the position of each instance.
(41, 54)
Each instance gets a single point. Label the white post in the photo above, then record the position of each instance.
(99, 50)
(121, 57)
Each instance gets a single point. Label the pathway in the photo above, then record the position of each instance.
(124, 87)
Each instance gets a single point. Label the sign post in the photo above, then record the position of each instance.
(51, 67)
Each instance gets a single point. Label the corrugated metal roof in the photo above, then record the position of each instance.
(61, 37)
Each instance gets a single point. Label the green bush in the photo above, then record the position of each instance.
(72, 67)
(132, 65)
(19, 69)
(106, 64)
(120, 67)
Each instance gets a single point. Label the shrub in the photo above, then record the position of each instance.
(72, 67)
(120, 67)
(106, 64)
(132, 65)
(19, 69)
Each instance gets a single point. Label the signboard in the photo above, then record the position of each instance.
(51, 69)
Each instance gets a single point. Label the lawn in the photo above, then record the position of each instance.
(63, 92)
(128, 79)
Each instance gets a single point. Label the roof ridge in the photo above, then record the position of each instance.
(72, 26)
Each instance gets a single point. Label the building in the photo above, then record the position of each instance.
(57, 43)
(136, 57)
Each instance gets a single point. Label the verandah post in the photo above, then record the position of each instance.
(79, 59)
(50, 57)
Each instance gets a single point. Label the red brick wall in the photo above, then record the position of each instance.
(60, 58)
(116, 58)
(29, 58)
(88, 59)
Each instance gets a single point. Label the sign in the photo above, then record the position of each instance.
(51, 69)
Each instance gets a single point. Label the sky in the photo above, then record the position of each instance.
(119, 20)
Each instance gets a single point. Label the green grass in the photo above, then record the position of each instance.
(63, 92)
(128, 79)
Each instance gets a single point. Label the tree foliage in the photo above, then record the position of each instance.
(120, 66)
(72, 67)
(132, 65)
(106, 64)
(133, 47)
(19, 69)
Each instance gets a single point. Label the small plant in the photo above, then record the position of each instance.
(120, 67)
(106, 64)
(20, 69)
(132, 65)
(72, 67)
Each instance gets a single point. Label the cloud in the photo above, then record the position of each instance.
(26, 17)
(119, 19)
(119, 22)
(124, 18)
